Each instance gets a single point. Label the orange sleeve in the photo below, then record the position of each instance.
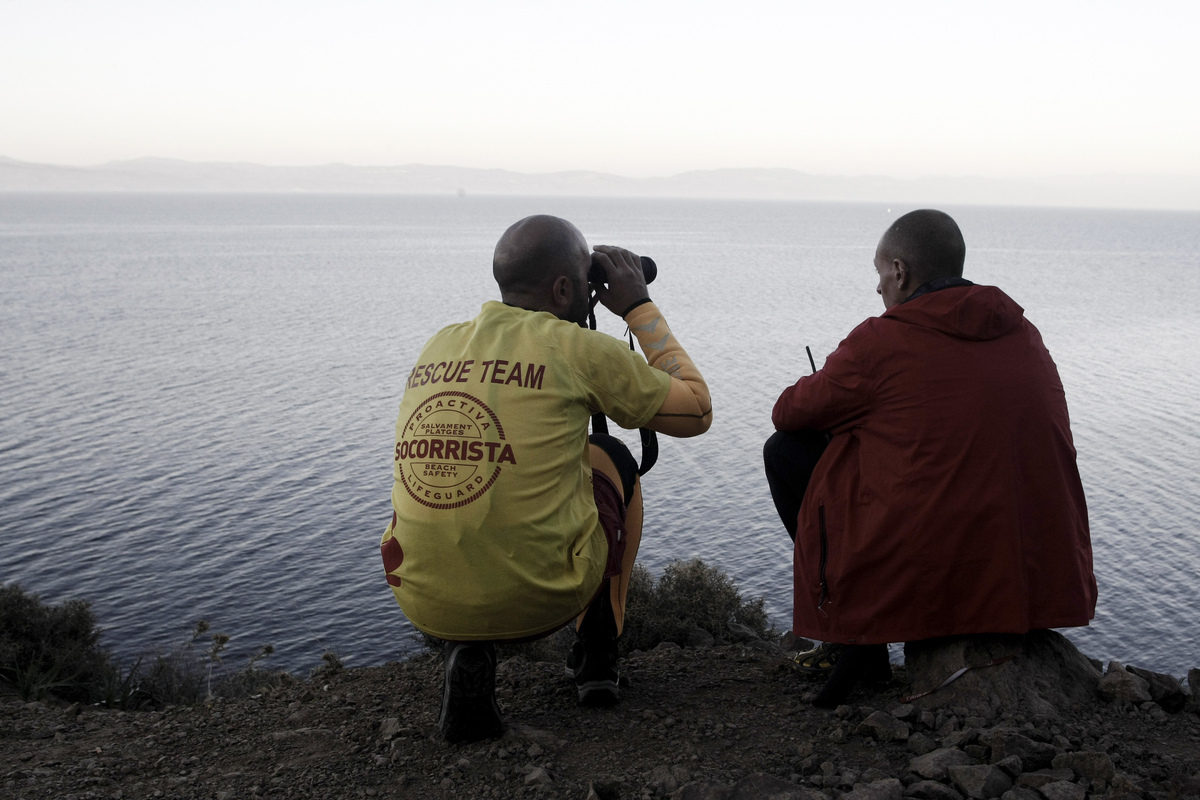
(687, 409)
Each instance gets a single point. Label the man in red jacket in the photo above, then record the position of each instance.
(927, 472)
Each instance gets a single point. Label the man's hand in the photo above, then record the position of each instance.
(626, 283)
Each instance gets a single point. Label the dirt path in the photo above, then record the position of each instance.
(725, 722)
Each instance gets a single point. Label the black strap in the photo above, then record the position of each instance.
(600, 422)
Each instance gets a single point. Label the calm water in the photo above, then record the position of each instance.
(197, 394)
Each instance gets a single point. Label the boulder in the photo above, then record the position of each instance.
(741, 633)
(1094, 766)
(1123, 789)
(920, 744)
(932, 790)
(934, 765)
(884, 727)
(1033, 755)
(980, 782)
(1047, 674)
(1020, 793)
(1062, 790)
(886, 789)
(1164, 689)
(792, 643)
(1122, 686)
(662, 780)
(1036, 780)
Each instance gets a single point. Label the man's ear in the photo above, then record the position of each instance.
(901, 274)
(562, 292)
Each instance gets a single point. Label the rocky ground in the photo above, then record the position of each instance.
(720, 722)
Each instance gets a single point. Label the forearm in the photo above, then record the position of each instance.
(687, 409)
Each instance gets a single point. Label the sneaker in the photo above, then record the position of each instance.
(867, 663)
(821, 660)
(592, 662)
(594, 669)
(469, 709)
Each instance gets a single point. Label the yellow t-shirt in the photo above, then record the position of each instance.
(495, 533)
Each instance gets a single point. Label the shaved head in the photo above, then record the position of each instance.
(928, 242)
(535, 250)
(532, 257)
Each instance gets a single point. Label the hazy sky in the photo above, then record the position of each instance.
(897, 88)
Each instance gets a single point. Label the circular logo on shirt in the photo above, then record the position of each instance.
(451, 450)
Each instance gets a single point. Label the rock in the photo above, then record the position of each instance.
(980, 782)
(763, 647)
(699, 639)
(535, 750)
(884, 727)
(662, 780)
(389, 728)
(1193, 681)
(538, 777)
(680, 774)
(977, 752)
(1046, 675)
(961, 738)
(920, 744)
(1164, 689)
(741, 633)
(1020, 793)
(664, 646)
(792, 643)
(1123, 789)
(1062, 790)
(905, 711)
(1011, 765)
(1036, 780)
(1088, 764)
(516, 730)
(932, 790)
(1123, 687)
(934, 765)
(887, 789)
(1033, 755)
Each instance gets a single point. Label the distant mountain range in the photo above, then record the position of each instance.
(170, 175)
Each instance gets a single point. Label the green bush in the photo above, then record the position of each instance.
(690, 594)
(48, 649)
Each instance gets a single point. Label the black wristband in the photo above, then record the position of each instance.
(634, 305)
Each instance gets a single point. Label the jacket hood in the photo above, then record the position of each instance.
(977, 313)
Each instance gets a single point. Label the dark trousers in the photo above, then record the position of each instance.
(790, 458)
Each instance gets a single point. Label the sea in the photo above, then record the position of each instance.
(198, 395)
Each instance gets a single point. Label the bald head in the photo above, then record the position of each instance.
(928, 242)
(541, 263)
(536, 250)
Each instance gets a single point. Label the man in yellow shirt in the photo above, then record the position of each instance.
(509, 520)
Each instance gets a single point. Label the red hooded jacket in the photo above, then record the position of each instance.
(948, 500)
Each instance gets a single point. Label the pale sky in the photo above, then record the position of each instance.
(904, 89)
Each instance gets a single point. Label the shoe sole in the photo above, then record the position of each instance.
(598, 693)
(469, 708)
